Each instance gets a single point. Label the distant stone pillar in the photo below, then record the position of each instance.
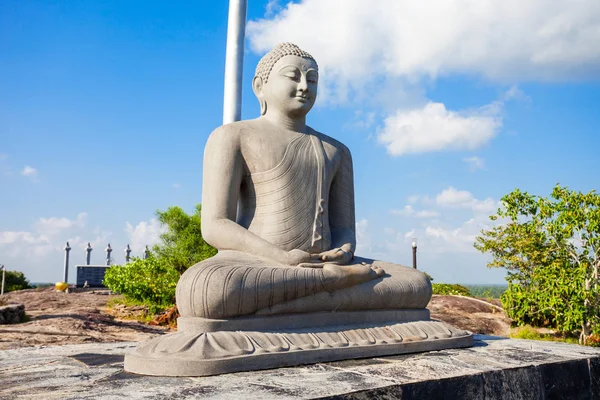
(66, 274)
(146, 253)
(88, 254)
(108, 251)
(127, 254)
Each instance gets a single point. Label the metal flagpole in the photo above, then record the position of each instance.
(234, 61)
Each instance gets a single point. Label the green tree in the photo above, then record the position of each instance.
(15, 280)
(182, 244)
(549, 247)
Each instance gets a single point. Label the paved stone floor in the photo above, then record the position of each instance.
(493, 368)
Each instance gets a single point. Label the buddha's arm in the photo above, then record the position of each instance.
(341, 207)
(222, 174)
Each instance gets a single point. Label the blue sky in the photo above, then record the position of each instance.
(105, 108)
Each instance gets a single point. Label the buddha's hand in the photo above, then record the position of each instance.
(339, 255)
(299, 258)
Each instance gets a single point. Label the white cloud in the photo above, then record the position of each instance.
(413, 198)
(176, 186)
(453, 198)
(39, 253)
(54, 225)
(29, 171)
(272, 7)
(362, 120)
(515, 93)
(144, 233)
(406, 211)
(501, 40)
(409, 211)
(363, 238)
(389, 231)
(434, 128)
(451, 240)
(474, 163)
(426, 214)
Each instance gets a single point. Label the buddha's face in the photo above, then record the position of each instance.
(292, 86)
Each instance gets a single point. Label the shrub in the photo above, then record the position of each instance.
(151, 281)
(446, 289)
(15, 280)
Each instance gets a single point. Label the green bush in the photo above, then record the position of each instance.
(552, 297)
(15, 280)
(151, 281)
(446, 289)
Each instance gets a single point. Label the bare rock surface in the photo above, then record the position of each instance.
(56, 318)
(476, 315)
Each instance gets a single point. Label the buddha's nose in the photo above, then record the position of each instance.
(303, 85)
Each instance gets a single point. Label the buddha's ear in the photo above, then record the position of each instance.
(257, 87)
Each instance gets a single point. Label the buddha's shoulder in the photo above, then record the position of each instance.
(329, 141)
(232, 132)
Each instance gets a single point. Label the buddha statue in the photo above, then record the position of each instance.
(278, 204)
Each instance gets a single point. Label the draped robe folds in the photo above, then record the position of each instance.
(288, 206)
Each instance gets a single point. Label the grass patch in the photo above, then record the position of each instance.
(530, 333)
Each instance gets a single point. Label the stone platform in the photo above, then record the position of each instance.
(494, 368)
(204, 347)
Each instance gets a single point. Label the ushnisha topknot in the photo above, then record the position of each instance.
(265, 65)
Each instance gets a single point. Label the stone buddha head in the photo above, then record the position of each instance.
(286, 81)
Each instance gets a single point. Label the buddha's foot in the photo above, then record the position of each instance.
(340, 276)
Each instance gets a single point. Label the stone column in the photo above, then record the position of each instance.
(234, 61)
(88, 254)
(108, 251)
(127, 254)
(66, 275)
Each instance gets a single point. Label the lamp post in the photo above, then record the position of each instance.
(414, 248)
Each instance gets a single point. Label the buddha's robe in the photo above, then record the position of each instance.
(288, 206)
